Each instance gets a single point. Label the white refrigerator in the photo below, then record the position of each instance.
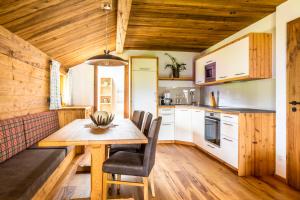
(144, 84)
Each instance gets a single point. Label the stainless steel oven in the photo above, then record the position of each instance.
(212, 127)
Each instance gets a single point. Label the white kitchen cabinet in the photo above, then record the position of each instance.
(144, 84)
(167, 125)
(200, 71)
(229, 139)
(233, 60)
(229, 151)
(183, 125)
(247, 58)
(198, 126)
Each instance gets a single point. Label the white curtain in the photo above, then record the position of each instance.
(67, 96)
(55, 100)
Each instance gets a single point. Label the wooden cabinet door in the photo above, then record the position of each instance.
(293, 107)
(198, 124)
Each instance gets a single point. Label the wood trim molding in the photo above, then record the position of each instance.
(124, 7)
(96, 88)
(126, 92)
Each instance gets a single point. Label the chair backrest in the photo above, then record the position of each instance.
(146, 123)
(150, 150)
(137, 118)
(145, 128)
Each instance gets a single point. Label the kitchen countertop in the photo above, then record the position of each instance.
(221, 108)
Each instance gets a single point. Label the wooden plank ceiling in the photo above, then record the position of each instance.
(190, 25)
(68, 30)
(73, 30)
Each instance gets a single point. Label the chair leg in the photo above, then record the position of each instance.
(104, 186)
(145, 181)
(118, 185)
(152, 183)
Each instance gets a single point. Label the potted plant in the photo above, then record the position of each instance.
(175, 66)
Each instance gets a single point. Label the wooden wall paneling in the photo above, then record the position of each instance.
(24, 77)
(69, 114)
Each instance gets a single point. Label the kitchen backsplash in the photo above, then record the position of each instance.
(258, 94)
(178, 92)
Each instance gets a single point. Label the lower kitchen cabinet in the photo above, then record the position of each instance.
(183, 125)
(247, 140)
(198, 126)
(167, 127)
(229, 151)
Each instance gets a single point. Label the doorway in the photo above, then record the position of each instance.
(111, 90)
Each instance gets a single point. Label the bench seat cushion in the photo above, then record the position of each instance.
(12, 138)
(66, 148)
(23, 174)
(40, 125)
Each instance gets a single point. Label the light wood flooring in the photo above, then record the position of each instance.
(182, 173)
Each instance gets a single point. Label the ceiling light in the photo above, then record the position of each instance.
(106, 59)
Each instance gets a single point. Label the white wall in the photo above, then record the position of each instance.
(286, 12)
(82, 88)
(247, 94)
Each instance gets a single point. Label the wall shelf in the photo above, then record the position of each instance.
(176, 79)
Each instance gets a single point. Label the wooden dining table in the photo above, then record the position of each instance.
(77, 133)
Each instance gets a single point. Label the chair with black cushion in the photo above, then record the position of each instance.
(133, 147)
(134, 164)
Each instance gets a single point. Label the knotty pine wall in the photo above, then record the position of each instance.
(24, 77)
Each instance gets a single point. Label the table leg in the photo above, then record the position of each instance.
(97, 159)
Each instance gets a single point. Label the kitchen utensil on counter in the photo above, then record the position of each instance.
(168, 101)
(192, 96)
(186, 96)
(161, 100)
(212, 100)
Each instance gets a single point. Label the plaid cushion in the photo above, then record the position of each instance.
(40, 125)
(12, 138)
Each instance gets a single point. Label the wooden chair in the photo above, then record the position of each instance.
(134, 164)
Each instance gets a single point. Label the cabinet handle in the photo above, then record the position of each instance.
(239, 74)
(227, 140)
(144, 68)
(209, 61)
(166, 114)
(254, 142)
(167, 124)
(199, 82)
(210, 146)
(226, 116)
(227, 124)
(222, 76)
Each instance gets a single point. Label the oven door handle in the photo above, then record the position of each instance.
(212, 119)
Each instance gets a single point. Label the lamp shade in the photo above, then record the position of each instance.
(106, 60)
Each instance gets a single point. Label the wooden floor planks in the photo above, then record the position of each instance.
(183, 173)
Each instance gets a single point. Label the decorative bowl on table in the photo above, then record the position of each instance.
(102, 120)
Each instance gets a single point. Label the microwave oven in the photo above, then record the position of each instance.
(210, 72)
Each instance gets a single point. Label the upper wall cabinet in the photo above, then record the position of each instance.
(246, 58)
